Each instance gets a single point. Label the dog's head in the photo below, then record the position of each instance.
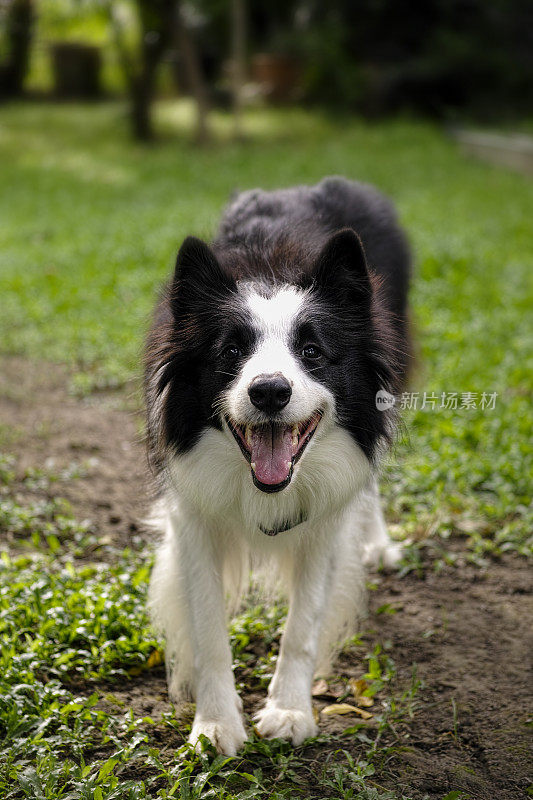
(274, 364)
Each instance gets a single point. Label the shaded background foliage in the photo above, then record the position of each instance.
(436, 57)
(442, 58)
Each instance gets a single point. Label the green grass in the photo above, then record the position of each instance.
(75, 634)
(90, 224)
(71, 630)
(89, 227)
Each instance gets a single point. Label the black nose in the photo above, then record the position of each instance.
(270, 393)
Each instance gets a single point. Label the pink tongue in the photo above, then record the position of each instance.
(271, 453)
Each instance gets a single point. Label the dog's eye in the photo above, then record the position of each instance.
(310, 351)
(231, 352)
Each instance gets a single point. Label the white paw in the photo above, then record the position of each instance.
(385, 555)
(285, 723)
(227, 735)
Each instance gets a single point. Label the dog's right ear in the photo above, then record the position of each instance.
(198, 276)
(341, 269)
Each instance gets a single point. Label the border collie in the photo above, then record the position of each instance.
(266, 355)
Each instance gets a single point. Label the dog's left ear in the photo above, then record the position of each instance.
(198, 276)
(341, 269)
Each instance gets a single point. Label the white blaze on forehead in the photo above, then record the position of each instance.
(274, 316)
(274, 320)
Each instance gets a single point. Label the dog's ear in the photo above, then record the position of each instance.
(198, 276)
(341, 269)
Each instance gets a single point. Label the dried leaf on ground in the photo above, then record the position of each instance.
(345, 708)
(358, 687)
(155, 658)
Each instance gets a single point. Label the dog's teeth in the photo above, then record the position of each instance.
(253, 466)
(288, 464)
(248, 436)
(294, 435)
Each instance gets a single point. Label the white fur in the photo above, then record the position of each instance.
(273, 319)
(210, 516)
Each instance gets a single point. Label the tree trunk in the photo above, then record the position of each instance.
(156, 19)
(195, 78)
(19, 31)
(160, 22)
(142, 88)
(140, 109)
(238, 56)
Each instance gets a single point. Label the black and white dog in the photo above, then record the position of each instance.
(266, 355)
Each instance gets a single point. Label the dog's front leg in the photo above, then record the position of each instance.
(288, 712)
(218, 706)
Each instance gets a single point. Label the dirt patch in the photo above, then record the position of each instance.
(468, 630)
(98, 439)
(469, 633)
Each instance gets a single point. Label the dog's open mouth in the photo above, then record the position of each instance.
(273, 449)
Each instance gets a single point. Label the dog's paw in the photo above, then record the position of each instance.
(285, 723)
(227, 735)
(386, 554)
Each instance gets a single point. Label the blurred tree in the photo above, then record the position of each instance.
(238, 57)
(161, 25)
(194, 76)
(438, 57)
(156, 24)
(18, 18)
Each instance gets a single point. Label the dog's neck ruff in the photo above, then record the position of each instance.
(287, 525)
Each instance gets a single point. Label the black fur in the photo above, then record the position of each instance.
(304, 217)
(357, 312)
